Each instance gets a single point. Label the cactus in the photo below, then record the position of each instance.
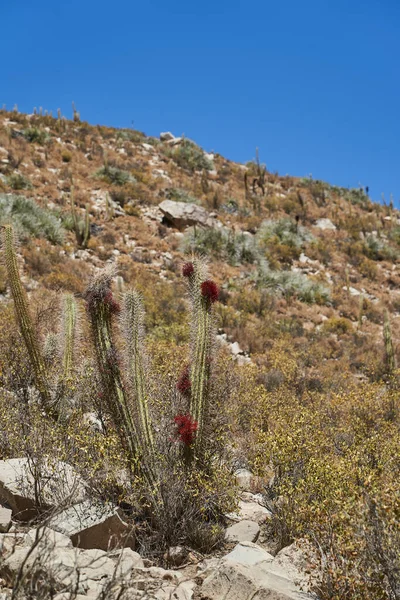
(203, 293)
(25, 322)
(390, 357)
(132, 328)
(101, 307)
(69, 322)
(80, 226)
(360, 311)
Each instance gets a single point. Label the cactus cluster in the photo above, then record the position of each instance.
(123, 370)
(29, 334)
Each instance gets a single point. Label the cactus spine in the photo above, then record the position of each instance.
(69, 317)
(202, 329)
(390, 357)
(24, 320)
(132, 327)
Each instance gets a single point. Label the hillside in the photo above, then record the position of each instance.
(307, 320)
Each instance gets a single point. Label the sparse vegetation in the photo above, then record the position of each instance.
(29, 219)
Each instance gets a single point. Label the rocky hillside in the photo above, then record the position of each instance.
(307, 323)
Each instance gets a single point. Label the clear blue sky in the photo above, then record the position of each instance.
(315, 84)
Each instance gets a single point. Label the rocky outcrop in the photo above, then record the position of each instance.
(250, 572)
(19, 490)
(183, 214)
(93, 525)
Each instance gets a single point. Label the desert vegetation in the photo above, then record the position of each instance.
(256, 328)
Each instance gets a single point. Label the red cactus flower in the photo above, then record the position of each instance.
(186, 429)
(188, 269)
(184, 384)
(112, 304)
(209, 291)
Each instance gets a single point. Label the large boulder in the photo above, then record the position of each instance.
(249, 572)
(94, 525)
(185, 214)
(26, 495)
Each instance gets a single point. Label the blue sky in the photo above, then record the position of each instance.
(314, 84)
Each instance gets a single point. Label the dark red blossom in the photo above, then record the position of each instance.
(188, 269)
(184, 384)
(209, 290)
(112, 304)
(95, 298)
(186, 428)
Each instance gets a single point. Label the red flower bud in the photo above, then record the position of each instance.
(209, 291)
(188, 269)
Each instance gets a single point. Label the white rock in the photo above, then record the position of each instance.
(251, 511)
(325, 224)
(93, 525)
(59, 482)
(248, 553)
(236, 349)
(5, 518)
(166, 136)
(243, 478)
(244, 531)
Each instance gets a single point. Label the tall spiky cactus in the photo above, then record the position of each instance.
(390, 357)
(68, 333)
(132, 317)
(101, 307)
(203, 293)
(25, 322)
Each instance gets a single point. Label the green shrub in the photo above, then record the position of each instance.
(29, 219)
(180, 195)
(114, 175)
(285, 231)
(34, 135)
(16, 181)
(223, 244)
(292, 284)
(376, 249)
(189, 156)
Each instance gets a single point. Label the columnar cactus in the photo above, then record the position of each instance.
(68, 339)
(390, 357)
(203, 294)
(132, 328)
(25, 322)
(101, 307)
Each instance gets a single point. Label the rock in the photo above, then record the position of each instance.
(242, 361)
(325, 224)
(47, 537)
(9, 542)
(184, 591)
(59, 482)
(93, 525)
(247, 553)
(176, 555)
(235, 581)
(166, 136)
(353, 291)
(236, 349)
(250, 511)
(185, 214)
(244, 478)
(127, 560)
(244, 531)
(5, 519)
(291, 562)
